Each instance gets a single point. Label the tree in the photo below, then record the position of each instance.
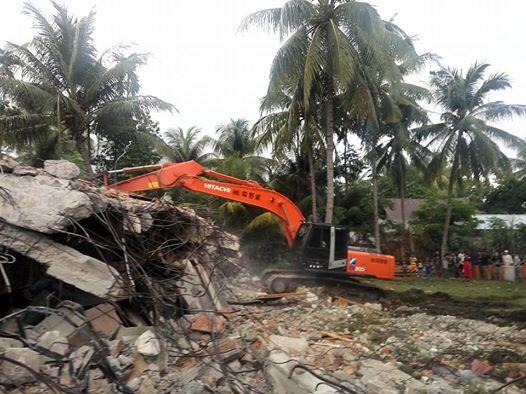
(286, 130)
(519, 164)
(238, 151)
(465, 138)
(508, 198)
(427, 221)
(185, 145)
(61, 81)
(127, 142)
(327, 44)
(400, 148)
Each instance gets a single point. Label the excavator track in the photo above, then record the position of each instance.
(277, 280)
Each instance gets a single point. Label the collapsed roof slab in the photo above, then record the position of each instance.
(64, 263)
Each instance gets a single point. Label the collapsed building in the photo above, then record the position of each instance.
(101, 292)
(87, 271)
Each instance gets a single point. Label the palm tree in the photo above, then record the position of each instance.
(61, 81)
(399, 148)
(284, 128)
(328, 40)
(185, 145)
(465, 139)
(520, 164)
(239, 151)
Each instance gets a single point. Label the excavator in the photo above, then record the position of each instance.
(321, 250)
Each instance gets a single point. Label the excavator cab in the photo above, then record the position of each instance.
(323, 247)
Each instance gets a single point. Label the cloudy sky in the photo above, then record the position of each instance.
(210, 72)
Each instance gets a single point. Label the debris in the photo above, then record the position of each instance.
(16, 374)
(280, 372)
(70, 266)
(7, 164)
(50, 206)
(104, 320)
(147, 344)
(130, 334)
(6, 343)
(289, 344)
(208, 324)
(339, 337)
(276, 296)
(54, 342)
(62, 169)
(311, 297)
(68, 323)
(480, 367)
(81, 358)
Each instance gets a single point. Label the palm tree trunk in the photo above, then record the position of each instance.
(346, 165)
(84, 151)
(402, 208)
(329, 109)
(376, 213)
(312, 178)
(452, 176)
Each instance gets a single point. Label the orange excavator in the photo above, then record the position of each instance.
(322, 250)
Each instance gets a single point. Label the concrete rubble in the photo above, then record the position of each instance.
(110, 293)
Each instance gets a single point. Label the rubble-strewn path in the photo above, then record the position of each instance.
(366, 348)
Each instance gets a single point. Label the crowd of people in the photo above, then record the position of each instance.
(497, 266)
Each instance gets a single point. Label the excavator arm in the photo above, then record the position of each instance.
(193, 176)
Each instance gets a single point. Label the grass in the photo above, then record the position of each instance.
(511, 292)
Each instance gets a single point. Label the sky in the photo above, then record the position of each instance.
(211, 72)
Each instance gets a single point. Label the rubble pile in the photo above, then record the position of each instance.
(358, 346)
(101, 291)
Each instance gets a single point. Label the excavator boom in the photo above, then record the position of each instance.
(321, 249)
(193, 176)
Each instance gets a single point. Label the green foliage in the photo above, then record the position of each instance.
(127, 143)
(60, 80)
(185, 145)
(428, 223)
(509, 197)
(238, 152)
(465, 137)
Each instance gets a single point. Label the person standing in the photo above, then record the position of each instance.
(496, 266)
(438, 265)
(428, 268)
(507, 260)
(508, 269)
(517, 266)
(468, 272)
(484, 265)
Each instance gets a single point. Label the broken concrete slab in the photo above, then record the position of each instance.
(6, 343)
(54, 342)
(130, 334)
(278, 370)
(148, 345)
(62, 169)
(77, 332)
(17, 374)
(42, 203)
(290, 345)
(22, 170)
(7, 164)
(379, 376)
(64, 263)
